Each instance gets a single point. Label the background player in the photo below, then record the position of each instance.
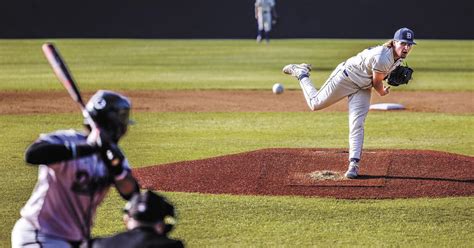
(145, 218)
(74, 176)
(355, 79)
(264, 12)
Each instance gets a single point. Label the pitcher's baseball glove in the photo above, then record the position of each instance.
(401, 75)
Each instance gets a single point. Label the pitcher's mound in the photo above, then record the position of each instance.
(318, 172)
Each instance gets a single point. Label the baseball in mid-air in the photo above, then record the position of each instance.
(278, 88)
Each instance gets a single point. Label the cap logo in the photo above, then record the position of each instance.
(100, 104)
(408, 35)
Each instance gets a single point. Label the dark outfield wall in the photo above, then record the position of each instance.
(233, 18)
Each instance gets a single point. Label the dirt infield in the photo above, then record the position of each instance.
(384, 174)
(308, 172)
(230, 101)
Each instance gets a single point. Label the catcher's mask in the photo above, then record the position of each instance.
(150, 208)
(110, 111)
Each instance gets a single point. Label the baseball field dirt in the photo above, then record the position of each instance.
(230, 101)
(384, 174)
(308, 172)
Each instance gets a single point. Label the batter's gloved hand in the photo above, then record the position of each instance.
(113, 158)
(401, 75)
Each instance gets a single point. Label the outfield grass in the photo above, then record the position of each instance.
(218, 64)
(239, 221)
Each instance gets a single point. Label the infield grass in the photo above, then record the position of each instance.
(257, 221)
(218, 64)
(217, 220)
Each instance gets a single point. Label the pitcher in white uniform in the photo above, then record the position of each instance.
(355, 79)
(264, 12)
(74, 175)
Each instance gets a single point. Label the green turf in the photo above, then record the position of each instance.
(218, 64)
(258, 221)
(218, 220)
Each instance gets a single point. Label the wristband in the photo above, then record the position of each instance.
(73, 150)
(72, 147)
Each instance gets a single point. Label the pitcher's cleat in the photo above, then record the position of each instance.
(353, 170)
(297, 71)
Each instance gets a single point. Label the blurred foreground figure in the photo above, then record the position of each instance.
(75, 172)
(149, 218)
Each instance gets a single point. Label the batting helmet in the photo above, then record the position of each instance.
(110, 111)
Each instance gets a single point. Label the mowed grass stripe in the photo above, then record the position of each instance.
(218, 64)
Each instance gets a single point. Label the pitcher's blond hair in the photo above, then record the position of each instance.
(389, 43)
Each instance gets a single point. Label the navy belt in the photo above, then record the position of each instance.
(345, 73)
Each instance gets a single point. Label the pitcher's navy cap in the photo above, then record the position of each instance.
(405, 35)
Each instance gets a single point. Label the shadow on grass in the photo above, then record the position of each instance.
(362, 177)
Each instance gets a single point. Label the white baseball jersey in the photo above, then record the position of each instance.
(264, 14)
(352, 79)
(67, 194)
(360, 68)
(265, 5)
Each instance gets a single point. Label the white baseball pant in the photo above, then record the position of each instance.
(264, 20)
(24, 234)
(333, 90)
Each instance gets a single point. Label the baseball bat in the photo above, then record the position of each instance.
(65, 78)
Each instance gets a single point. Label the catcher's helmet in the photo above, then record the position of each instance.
(110, 111)
(149, 207)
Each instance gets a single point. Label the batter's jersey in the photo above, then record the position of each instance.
(67, 194)
(360, 68)
(264, 5)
